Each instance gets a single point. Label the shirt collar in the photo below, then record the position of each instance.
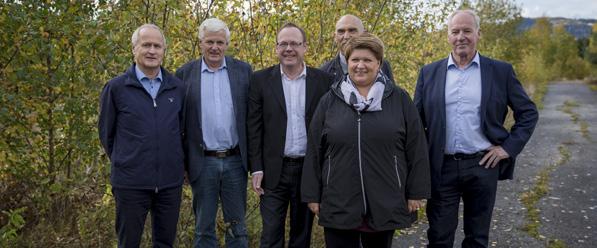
(343, 63)
(474, 61)
(303, 73)
(141, 75)
(204, 66)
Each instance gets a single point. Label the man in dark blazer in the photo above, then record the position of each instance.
(215, 136)
(463, 101)
(282, 99)
(347, 27)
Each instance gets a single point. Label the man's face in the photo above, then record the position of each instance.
(346, 28)
(149, 50)
(290, 47)
(213, 47)
(463, 35)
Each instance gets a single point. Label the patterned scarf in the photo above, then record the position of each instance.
(360, 103)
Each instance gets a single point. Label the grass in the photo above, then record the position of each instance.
(592, 83)
(531, 197)
(556, 243)
(567, 108)
(584, 130)
(539, 94)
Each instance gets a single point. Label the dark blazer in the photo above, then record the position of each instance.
(500, 90)
(239, 73)
(267, 118)
(334, 68)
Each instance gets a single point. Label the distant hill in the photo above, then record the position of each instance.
(579, 28)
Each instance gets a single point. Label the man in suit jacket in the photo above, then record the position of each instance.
(215, 136)
(347, 27)
(463, 101)
(282, 99)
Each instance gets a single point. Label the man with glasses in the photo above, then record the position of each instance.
(347, 27)
(282, 99)
(215, 136)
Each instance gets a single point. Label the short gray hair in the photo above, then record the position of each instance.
(213, 25)
(465, 11)
(135, 37)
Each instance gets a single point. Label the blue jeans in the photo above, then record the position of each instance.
(222, 179)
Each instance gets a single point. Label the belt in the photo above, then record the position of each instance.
(464, 156)
(222, 153)
(294, 160)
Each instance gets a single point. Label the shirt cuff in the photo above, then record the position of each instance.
(256, 172)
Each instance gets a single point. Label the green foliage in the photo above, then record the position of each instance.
(9, 232)
(57, 55)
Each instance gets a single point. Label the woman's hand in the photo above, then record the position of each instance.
(414, 205)
(314, 206)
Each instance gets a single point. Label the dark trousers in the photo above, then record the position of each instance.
(477, 187)
(336, 238)
(274, 205)
(132, 206)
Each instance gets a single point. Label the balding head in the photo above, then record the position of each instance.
(346, 27)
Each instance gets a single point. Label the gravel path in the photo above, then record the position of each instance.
(568, 212)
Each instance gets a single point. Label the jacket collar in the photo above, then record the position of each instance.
(134, 82)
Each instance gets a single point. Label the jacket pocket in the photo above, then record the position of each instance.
(327, 178)
(397, 173)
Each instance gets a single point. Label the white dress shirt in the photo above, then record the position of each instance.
(296, 131)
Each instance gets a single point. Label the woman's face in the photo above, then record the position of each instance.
(363, 67)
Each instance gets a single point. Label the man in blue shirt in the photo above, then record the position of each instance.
(140, 130)
(215, 136)
(463, 101)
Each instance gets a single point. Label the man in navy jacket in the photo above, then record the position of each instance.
(463, 101)
(140, 130)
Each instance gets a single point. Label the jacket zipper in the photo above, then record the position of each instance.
(327, 180)
(397, 174)
(155, 109)
(361, 160)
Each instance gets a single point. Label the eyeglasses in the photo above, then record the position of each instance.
(293, 45)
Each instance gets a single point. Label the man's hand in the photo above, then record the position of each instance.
(493, 156)
(314, 206)
(256, 181)
(414, 205)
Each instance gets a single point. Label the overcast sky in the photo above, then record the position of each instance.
(559, 8)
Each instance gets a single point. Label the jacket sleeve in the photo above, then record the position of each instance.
(418, 99)
(387, 69)
(311, 179)
(255, 124)
(418, 181)
(107, 119)
(525, 116)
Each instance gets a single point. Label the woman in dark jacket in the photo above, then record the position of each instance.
(366, 171)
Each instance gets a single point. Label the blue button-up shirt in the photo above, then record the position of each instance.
(463, 105)
(152, 86)
(217, 110)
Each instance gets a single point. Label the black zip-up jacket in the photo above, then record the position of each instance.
(366, 165)
(142, 137)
